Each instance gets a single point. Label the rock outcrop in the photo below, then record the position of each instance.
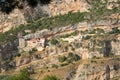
(12, 20)
(64, 6)
(21, 16)
(102, 71)
(9, 49)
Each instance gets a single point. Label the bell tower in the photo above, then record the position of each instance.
(21, 41)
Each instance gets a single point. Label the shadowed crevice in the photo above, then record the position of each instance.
(107, 48)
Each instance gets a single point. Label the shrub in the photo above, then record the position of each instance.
(54, 41)
(18, 55)
(75, 33)
(70, 55)
(98, 31)
(93, 61)
(76, 57)
(50, 78)
(94, 57)
(54, 66)
(32, 51)
(73, 49)
(62, 58)
(87, 37)
(73, 57)
(64, 64)
(115, 30)
(65, 35)
(24, 75)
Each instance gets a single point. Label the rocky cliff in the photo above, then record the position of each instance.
(27, 14)
(20, 16)
(55, 7)
(95, 41)
(103, 71)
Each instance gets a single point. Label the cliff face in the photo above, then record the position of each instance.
(65, 6)
(104, 71)
(56, 7)
(12, 20)
(97, 46)
(22, 16)
(93, 41)
(88, 47)
(8, 49)
(17, 17)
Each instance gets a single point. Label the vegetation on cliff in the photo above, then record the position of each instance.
(97, 12)
(57, 21)
(94, 40)
(23, 75)
(50, 78)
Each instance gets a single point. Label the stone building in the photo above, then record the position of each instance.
(21, 40)
(22, 43)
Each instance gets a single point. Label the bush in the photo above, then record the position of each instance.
(64, 64)
(73, 57)
(18, 55)
(65, 35)
(69, 59)
(54, 41)
(54, 66)
(70, 55)
(76, 57)
(115, 30)
(73, 49)
(62, 58)
(71, 34)
(94, 57)
(87, 37)
(75, 33)
(32, 51)
(50, 78)
(24, 75)
(98, 31)
(93, 61)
